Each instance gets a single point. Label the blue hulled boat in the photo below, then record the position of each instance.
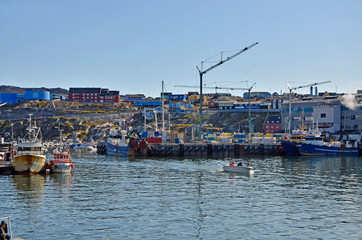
(316, 146)
(117, 144)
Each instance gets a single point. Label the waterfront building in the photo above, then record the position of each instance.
(332, 114)
(97, 95)
(273, 123)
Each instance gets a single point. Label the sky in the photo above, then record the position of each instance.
(133, 45)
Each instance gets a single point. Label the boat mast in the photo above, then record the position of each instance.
(163, 109)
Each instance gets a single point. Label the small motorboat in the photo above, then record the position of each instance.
(61, 162)
(238, 169)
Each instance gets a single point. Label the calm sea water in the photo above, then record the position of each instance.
(107, 197)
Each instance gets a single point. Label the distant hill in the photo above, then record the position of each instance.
(19, 90)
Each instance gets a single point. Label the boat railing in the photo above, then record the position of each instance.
(20, 153)
(54, 161)
(7, 219)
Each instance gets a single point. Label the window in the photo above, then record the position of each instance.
(323, 115)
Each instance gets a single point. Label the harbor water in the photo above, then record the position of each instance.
(188, 198)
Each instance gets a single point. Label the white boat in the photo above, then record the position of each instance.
(91, 148)
(61, 162)
(238, 169)
(30, 153)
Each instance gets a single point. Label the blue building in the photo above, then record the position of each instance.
(8, 98)
(147, 103)
(36, 95)
(177, 97)
(257, 94)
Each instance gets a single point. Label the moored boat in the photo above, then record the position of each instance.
(289, 144)
(30, 152)
(316, 146)
(117, 144)
(61, 162)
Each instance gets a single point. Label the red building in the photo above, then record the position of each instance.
(273, 124)
(97, 95)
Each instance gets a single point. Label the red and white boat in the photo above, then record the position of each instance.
(61, 162)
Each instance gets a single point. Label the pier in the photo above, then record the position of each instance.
(219, 150)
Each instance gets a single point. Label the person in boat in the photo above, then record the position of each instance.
(232, 164)
(4, 231)
(240, 164)
(249, 165)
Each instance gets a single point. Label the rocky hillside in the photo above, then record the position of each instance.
(71, 128)
(87, 121)
(19, 90)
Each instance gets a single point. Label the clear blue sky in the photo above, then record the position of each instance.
(133, 45)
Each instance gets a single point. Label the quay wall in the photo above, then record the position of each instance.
(220, 150)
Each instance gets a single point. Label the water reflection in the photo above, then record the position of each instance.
(62, 178)
(190, 199)
(29, 186)
(30, 189)
(323, 166)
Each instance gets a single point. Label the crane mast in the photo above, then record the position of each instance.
(202, 72)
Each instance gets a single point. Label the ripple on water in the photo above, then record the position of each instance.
(107, 197)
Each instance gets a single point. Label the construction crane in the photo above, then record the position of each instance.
(290, 98)
(251, 129)
(202, 72)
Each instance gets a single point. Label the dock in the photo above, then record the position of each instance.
(219, 150)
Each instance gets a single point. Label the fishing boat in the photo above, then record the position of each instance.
(238, 169)
(117, 144)
(317, 146)
(30, 152)
(289, 143)
(61, 162)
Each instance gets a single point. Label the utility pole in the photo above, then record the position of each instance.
(202, 72)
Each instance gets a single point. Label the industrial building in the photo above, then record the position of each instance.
(8, 98)
(332, 114)
(36, 95)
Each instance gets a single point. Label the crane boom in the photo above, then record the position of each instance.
(227, 59)
(309, 85)
(216, 87)
(202, 72)
(290, 99)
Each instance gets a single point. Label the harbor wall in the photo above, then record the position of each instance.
(220, 150)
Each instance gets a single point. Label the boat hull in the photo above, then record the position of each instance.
(29, 163)
(307, 149)
(290, 148)
(119, 150)
(238, 169)
(61, 168)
